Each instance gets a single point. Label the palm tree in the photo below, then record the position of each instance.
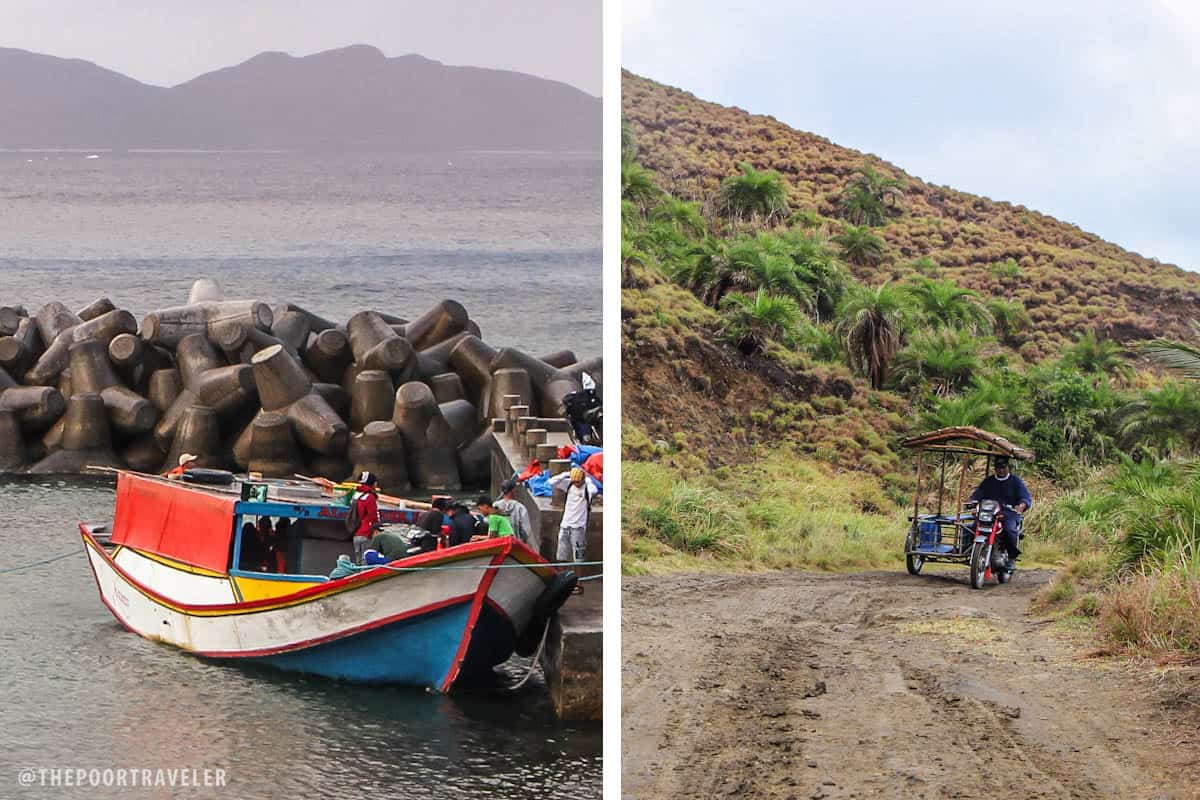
(628, 141)
(873, 322)
(750, 322)
(753, 194)
(1166, 419)
(816, 265)
(947, 305)
(964, 410)
(870, 198)
(946, 359)
(822, 343)
(1094, 356)
(684, 216)
(637, 185)
(1179, 356)
(859, 246)
(1009, 318)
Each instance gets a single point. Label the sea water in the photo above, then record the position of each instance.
(514, 237)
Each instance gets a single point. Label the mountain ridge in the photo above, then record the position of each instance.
(349, 98)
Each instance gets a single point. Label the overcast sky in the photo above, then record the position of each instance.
(166, 42)
(1088, 111)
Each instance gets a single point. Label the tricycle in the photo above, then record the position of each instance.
(967, 533)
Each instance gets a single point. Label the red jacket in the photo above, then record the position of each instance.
(368, 510)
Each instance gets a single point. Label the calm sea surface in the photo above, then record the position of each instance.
(515, 238)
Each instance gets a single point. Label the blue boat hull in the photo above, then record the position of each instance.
(418, 652)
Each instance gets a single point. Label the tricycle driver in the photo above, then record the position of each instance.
(1008, 490)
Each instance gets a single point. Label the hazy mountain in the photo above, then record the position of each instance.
(354, 98)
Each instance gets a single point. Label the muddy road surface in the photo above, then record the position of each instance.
(807, 686)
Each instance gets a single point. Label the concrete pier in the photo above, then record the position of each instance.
(574, 653)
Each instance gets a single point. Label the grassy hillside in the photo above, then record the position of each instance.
(792, 309)
(1067, 279)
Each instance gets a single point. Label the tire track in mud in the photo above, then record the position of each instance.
(792, 685)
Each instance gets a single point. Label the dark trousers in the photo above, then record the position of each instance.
(1012, 533)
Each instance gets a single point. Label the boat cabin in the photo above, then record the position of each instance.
(212, 530)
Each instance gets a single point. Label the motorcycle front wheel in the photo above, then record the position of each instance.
(981, 556)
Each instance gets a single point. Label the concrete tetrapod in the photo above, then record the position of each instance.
(92, 373)
(328, 354)
(380, 449)
(427, 438)
(371, 399)
(86, 439)
(12, 444)
(102, 329)
(206, 381)
(170, 325)
(284, 386)
(204, 290)
(10, 318)
(437, 324)
(99, 306)
(199, 433)
(273, 448)
(472, 359)
(550, 385)
(377, 346)
(136, 361)
(447, 386)
(36, 407)
(19, 351)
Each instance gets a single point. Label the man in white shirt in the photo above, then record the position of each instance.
(572, 531)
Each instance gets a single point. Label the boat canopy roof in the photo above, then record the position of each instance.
(968, 439)
(174, 520)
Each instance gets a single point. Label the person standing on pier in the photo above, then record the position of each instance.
(516, 512)
(572, 532)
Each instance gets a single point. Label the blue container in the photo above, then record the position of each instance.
(929, 536)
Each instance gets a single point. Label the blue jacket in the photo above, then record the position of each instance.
(1009, 491)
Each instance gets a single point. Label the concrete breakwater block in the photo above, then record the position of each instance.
(269, 387)
(12, 444)
(380, 449)
(86, 439)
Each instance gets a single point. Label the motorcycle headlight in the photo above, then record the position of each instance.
(986, 519)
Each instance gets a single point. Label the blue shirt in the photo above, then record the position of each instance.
(1009, 491)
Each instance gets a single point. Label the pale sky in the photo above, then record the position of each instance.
(1088, 111)
(167, 42)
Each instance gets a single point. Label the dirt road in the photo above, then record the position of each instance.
(795, 685)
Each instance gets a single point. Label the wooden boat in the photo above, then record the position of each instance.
(172, 571)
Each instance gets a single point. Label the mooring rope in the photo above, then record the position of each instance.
(486, 566)
(537, 657)
(69, 553)
(58, 557)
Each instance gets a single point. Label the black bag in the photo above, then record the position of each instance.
(353, 519)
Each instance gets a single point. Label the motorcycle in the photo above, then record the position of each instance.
(986, 558)
(585, 412)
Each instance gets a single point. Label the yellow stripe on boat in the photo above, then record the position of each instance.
(252, 589)
(179, 565)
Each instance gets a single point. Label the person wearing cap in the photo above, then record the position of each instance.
(498, 524)
(185, 463)
(572, 532)
(1008, 490)
(367, 503)
(516, 512)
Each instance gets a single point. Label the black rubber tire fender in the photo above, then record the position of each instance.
(547, 604)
